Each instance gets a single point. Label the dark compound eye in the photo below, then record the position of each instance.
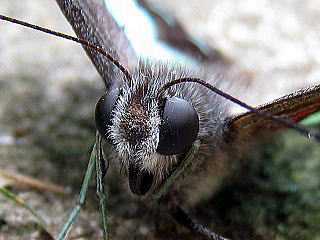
(103, 111)
(179, 128)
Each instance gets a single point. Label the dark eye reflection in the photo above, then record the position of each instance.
(178, 130)
(103, 111)
(179, 127)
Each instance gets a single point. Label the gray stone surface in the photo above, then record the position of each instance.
(278, 41)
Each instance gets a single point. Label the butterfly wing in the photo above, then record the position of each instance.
(92, 22)
(171, 32)
(293, 107)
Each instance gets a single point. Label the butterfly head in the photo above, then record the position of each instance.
(148, 132)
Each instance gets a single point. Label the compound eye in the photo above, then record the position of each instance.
(103, 111)
(179, 127)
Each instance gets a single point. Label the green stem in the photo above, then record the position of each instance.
(185, 162)
(10, 196)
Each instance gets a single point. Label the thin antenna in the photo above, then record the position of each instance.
(307, 133)
(304, 132)
(68, 37)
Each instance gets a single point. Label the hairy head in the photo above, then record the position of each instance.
(151, 134)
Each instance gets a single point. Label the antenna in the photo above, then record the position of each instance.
(305, 132)
(68, 37)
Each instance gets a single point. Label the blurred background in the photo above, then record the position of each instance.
(48, 89)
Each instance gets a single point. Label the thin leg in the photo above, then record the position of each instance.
(101, 169)
(82, 195)
(187, 221)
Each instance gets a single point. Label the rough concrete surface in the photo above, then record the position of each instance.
(276, 40)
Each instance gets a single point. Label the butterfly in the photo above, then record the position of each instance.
(248, 123)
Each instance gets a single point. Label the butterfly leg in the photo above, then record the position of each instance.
(187, 221)
(82, 195)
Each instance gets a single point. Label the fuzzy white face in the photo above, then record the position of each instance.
(135, 135)
(150, 134)
(135, 127)
(134, 132)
